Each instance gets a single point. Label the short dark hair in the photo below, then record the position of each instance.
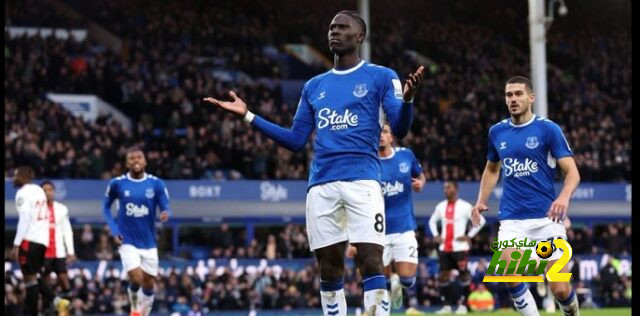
(453, 182)
(356, 16)
(521, 79)
(26, 172)
(133, 149)
(45, 182)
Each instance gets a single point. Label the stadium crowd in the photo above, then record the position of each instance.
(168, 64)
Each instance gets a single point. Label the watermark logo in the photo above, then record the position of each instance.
(523, 263)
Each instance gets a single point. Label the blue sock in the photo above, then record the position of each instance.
(328, 286)
(134, 287)
(374, 281)
(518, 290)
(569, 299)
(407, 282)
(148, 292)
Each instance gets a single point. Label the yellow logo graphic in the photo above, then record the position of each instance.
(544, 250)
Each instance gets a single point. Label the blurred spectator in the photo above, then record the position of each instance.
(104, 249)
(184, 138)
(480, 299)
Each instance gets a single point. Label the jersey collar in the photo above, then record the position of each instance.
(348, 71)
(533, 117)
(144, 177)
(393, 153)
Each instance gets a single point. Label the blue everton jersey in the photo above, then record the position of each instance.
(397, 171)
(138, 200)
(347, 110)
(528, 154)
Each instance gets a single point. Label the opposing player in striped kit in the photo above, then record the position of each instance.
(60, 250)
(32, 238)
(454, 214)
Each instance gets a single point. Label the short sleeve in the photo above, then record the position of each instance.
(22, 203)
(163, 195)
(416, 168)
(112, 190)
(492, 153)
(558, 144)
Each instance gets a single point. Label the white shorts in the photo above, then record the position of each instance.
(538, 229)
(401, 247)
(145, 259)
(345, 210)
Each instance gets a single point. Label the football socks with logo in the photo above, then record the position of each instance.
(523, 300)
(332, 298)
(570, 305)
(376, 296)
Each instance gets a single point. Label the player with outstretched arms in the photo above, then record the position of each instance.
(346, 106)
(139, 196)
(453, 214)
(529, 148)
(60, 251)
(32, 238)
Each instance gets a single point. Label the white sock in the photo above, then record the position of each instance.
(523, 300)
(569, 306)
(376, 302)
(146, 303)
(133, 299)
(333, 303)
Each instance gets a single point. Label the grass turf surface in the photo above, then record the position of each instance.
(583, 312)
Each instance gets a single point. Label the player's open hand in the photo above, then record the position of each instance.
(236, 106)
(412, 83)
(164, 216)
(71, 258)
(475, 213)
(558, 210)
(437, 240)
(417, 184)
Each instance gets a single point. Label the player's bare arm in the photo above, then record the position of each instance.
(489, 179)
(236, 106)
(418, 183)
(14, 253)
(412, 83)
(559, 207)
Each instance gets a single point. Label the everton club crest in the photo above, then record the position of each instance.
(532, 142)
(360, 90)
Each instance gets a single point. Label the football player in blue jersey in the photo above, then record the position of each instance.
(139, 195)
(528, 148)
(401, 174)
(346, 106)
